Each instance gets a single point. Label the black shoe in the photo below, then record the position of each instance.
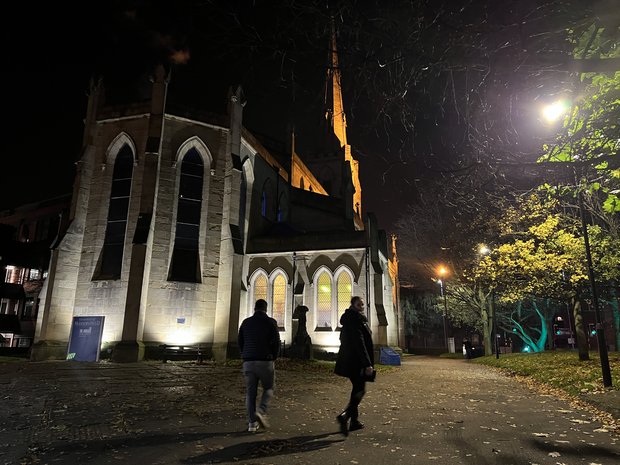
(355, 425)
(343, 421)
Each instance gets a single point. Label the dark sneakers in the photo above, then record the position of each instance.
(343, 421)
(355, 425)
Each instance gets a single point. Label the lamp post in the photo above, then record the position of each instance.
(443, 272)
(552, 113)
(484, 250)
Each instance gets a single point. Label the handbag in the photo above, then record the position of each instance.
(369, 378)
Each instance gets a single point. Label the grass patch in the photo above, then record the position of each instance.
(559, 369)
(6, 359)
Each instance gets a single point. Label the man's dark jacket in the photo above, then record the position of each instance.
(259, 338)
(356, 348)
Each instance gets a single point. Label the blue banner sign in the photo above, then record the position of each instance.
(85, 340)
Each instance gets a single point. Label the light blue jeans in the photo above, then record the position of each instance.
(253, 372)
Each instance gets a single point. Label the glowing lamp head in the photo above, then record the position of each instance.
(442, 270)
(484, 250)
(554, 111)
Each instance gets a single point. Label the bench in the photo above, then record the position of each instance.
(181, 352)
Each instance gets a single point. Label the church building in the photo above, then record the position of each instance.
(181, 220)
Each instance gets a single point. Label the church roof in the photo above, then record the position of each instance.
(329, 240)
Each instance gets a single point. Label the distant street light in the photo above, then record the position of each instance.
(443, 271)
(555, 111)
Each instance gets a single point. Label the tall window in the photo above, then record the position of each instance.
(273, 289)
(333, 297)
(28, 313)
(279, 300)
(267, 201)
(242, 200)
(344, 293)
(263, 203)
(260, 288)
(185, 263)
(114, 240)
(282, 208)
(324, 302)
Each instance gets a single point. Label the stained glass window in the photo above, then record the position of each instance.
(324, 301)
(344, 293)
(279, 300)
(260, 288)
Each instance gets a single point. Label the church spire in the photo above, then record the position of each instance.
(336, 118)
(335, 109)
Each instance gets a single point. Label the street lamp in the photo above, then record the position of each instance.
(442, 270)
(552, 113)
(484, 250)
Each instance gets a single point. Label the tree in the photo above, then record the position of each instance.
(468, 304)
(538, 249)
(587, 147)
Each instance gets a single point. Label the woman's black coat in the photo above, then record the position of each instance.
(356, 348)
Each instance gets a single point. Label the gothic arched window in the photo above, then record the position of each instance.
(266, 198)
(260, 288)
(324, 301)
(344, 291)
(279, 299)
(282, 208)
(114, 240)
(332, 296)
(273, 289)
(185, 264)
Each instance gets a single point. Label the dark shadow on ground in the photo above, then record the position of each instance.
(266, 448)
(125, 442)
(581, 450)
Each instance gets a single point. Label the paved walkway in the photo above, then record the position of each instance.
(429, 411)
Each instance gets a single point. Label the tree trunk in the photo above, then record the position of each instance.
(615, 309)
(486, 331)
(580, 331)
(549, 313)
(485, 316)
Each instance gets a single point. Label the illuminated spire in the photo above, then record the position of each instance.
(335, 112)
(336, 118)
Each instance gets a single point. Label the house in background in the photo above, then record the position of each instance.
(27, 233)
(181, 220)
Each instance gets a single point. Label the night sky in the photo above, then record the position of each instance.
(54, 50)
(442, 97)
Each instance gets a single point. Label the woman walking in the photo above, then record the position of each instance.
(355, 361)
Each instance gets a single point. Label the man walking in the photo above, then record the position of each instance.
(259, 343)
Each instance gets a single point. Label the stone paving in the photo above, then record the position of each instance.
(428, 411)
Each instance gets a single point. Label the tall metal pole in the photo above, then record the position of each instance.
(600, 332)
(445, 312)
(496, 340)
